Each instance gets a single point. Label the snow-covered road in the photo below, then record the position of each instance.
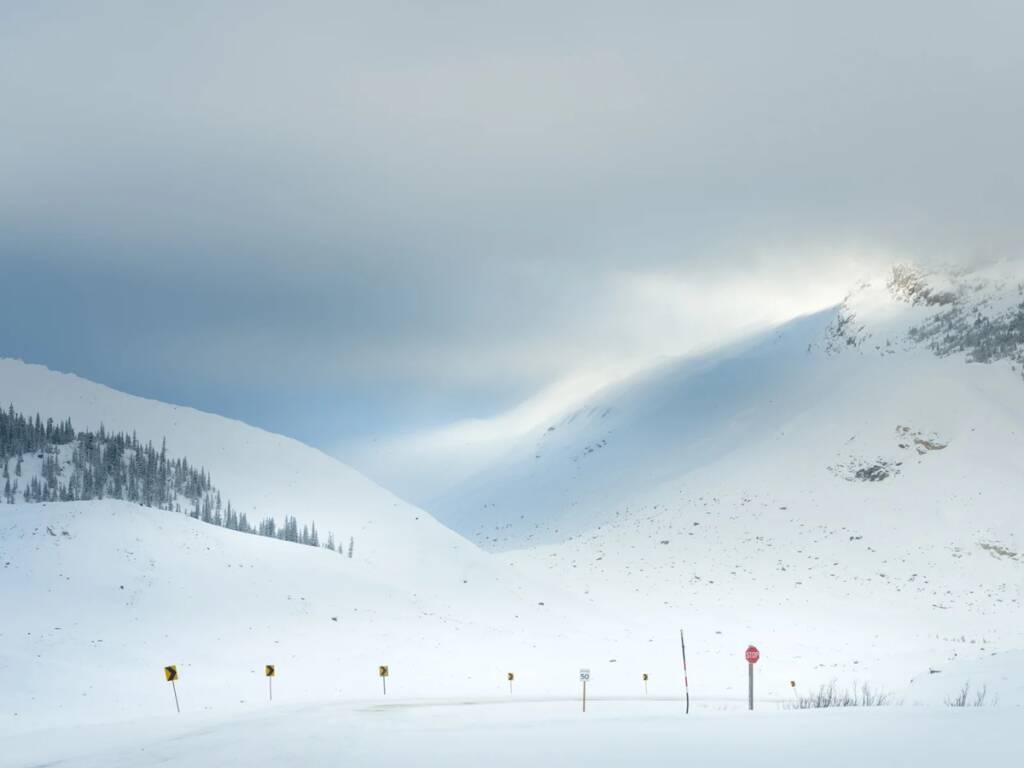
(537, 733)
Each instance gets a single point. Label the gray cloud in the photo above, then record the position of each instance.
(394, 209)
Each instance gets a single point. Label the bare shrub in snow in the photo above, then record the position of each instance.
(964, 699)
(831, 695)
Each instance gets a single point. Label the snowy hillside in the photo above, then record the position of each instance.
(262, 474)
(98, 596)
(844, 489)
(854, 378)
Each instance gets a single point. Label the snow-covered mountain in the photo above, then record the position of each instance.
(844, 489)
(867, 391)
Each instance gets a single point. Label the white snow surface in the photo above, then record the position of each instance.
(99, 596)
(537, 733)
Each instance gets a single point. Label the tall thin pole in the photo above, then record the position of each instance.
(750, 675)
(175, 689)
(686, 676)
(584, 695)
(270, 682)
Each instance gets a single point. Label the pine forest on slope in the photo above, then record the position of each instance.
(54, 463)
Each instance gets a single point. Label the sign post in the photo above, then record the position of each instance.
(584, 676)
(511, 677)
(269, 671)
(751, 655)
(645, 683)
(686, 677)
(382, 670)
(171, 674)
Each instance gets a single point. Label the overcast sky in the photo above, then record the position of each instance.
(347, 221)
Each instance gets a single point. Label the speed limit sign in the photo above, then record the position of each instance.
(584, 676)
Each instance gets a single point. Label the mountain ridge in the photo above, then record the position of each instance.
(682, 414)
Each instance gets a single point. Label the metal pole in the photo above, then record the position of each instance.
(385, 681)
(750, 676)
(270, 683)
(175, 689)
(686, 677)
(584, 695)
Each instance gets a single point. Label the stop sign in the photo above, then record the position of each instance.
(752, 654)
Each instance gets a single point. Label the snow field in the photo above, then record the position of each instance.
(472, 733)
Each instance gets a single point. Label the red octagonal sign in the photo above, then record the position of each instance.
(752, 654)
